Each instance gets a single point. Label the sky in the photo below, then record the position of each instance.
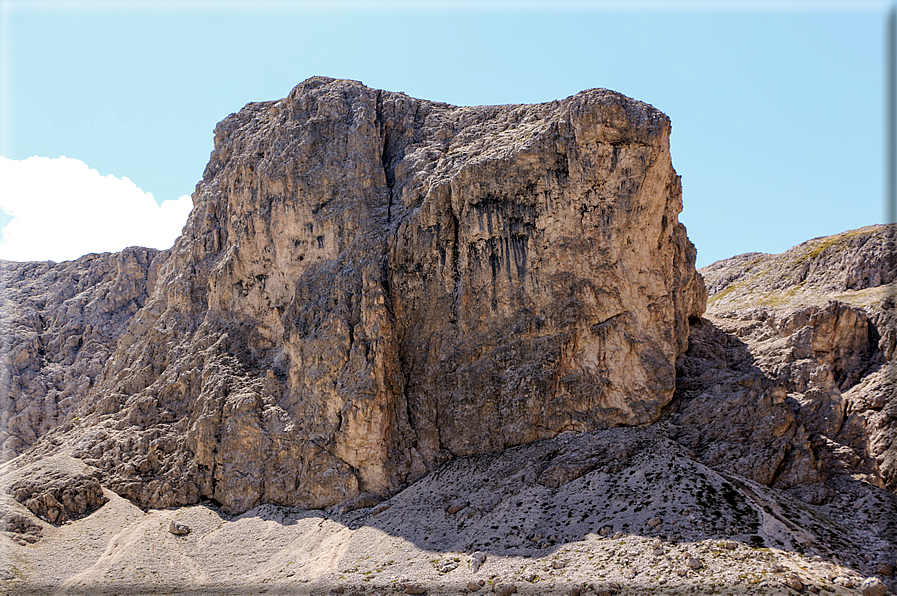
(779, 108)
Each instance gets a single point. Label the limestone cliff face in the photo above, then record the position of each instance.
(60, 323)
(371, 284)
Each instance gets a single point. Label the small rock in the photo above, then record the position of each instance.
(456, 506)
(682, 572)
(884, 569)
(378, 509)
(658, 551)
(617, 536)
(605, 530)
(504, 589)
(730, 545)
(777, 568)
(531, 577)
(415, 589)
(872, 586)
(654, 522)
(473, 586)
(338, 590)
(694, 562)
(178, 529)
(448, 566)
(467, 513)
(793, 582)
(843, 581)
(476, 561)
(558, 564)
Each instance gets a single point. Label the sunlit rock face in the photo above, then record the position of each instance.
(371, 284)
(59, 323)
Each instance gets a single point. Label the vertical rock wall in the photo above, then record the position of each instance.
(371, 284)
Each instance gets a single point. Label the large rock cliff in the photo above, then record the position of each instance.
(378, 297)
(371, 284)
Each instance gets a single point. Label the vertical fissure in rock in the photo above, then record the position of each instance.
(385, 154)
(780, 468)
(456, 258)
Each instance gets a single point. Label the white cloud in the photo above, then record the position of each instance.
(62, 210)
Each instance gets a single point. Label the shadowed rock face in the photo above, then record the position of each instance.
(789, 380)
(371, 284)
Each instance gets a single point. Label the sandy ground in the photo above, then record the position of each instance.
(618, 529)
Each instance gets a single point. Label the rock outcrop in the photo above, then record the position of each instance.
(475, 332)
(789, 380)
(370, 285)
(60, 323)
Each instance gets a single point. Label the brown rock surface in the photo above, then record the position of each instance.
(60, 323)
(371, 284)
(399, 310)
(799, 388)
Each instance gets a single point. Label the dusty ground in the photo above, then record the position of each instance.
(551, 517)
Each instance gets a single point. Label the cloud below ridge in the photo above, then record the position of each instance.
(62, 209)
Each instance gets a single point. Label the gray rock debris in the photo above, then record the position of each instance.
(872, 586)
(504, 589)
(476, 561)
(178, 529)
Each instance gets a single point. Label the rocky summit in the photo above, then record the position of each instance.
(408, 347)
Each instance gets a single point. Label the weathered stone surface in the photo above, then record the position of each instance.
(56, 496)
(811, 273)
(19, 527)
(371, 284)
(60, 323)
(178, 529)
(799, 388)
(524, 527)
(872, 586)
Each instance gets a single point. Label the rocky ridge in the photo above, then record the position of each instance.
(810, 334)
(60, 324)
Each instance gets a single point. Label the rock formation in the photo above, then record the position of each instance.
(796, 359)
(370, 285)
(474, 332)
(60, 323)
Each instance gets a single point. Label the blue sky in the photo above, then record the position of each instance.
(778, 108)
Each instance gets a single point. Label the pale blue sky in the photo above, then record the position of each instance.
(778, 108)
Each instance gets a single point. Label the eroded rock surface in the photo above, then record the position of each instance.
(59, 497)
(370, 285)
(60, 323)
(795, 384)
(371, 288)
